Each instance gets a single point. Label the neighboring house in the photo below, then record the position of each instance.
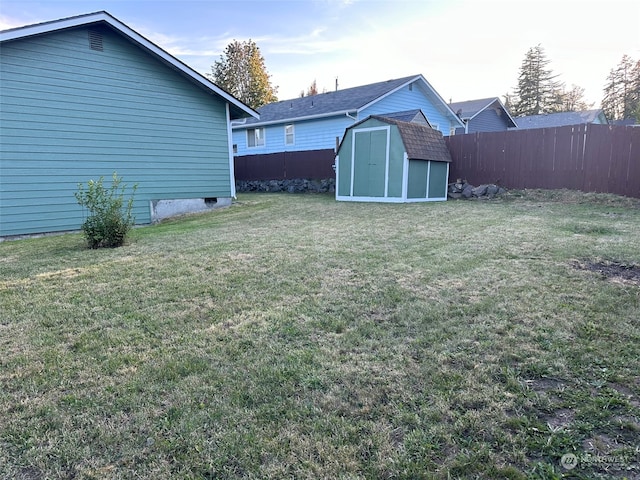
(627, 122)
(562, 119)
(315, 124)
(85, 96)
(483, 115)
(382, 159)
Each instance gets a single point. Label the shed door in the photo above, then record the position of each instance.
(370, 163)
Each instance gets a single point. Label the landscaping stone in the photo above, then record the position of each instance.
(462, 189)
(298, 185)
(479, 191)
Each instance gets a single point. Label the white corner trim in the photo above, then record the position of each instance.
(232, 171)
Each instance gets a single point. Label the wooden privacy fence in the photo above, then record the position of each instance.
(312, 164)
(591, 158)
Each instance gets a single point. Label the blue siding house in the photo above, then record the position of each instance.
(483, 115)
(317, 123)
(85, 96)
(549, 120)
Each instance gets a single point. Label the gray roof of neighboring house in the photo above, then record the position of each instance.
(559, 119)
(238, 108)
(416, 115)
(420, 141)
(349, 100)
(468, 109)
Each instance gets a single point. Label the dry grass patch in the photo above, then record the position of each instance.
(292, 336)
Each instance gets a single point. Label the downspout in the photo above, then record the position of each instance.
(355, 119)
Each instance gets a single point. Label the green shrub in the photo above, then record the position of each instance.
(109, 219)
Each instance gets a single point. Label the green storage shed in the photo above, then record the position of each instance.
(383, 159)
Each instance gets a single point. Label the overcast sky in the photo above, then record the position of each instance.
(466, 49)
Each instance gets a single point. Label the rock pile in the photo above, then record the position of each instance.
(462, 189)
(299, 185)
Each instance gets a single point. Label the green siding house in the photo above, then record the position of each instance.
(85, 96)
(383, 159)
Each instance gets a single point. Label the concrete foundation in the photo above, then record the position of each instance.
(161, 209)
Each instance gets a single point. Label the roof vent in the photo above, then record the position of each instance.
(95, 40)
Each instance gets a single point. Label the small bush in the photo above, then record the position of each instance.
(108, 222)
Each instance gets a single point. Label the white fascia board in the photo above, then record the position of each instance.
(483, 108)
(91, 18)
(411, 80)
(429, 87)
(448, 109)
(501, 105)
(291, 120)
(507, 112)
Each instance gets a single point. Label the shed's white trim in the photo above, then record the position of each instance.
(370, 199)
(405, 175)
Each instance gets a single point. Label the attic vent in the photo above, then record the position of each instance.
(95, 40)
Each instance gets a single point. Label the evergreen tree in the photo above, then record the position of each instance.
(538, 90)
(622, 91)
(241, 71)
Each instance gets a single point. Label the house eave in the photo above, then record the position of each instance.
(103, 17)
(424, 81)
(293, 119)
(496, 99)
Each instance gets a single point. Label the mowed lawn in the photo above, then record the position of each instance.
(292, 336)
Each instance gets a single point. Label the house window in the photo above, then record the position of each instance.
(255, 137)
(289, 134)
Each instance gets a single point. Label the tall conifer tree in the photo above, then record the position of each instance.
(538, 90)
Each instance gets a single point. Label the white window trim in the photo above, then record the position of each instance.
(293, 134)
(264, 137)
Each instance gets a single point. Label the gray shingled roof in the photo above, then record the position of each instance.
(347, 100)
(421, 142)
(416, 116)
(558, 119)
(470, 108)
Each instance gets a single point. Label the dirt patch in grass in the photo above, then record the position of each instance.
(614, 271)
(562, 418)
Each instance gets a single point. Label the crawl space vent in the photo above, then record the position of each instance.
(95, 40)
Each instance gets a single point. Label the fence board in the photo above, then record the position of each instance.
(592, 158)
(311, 164)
